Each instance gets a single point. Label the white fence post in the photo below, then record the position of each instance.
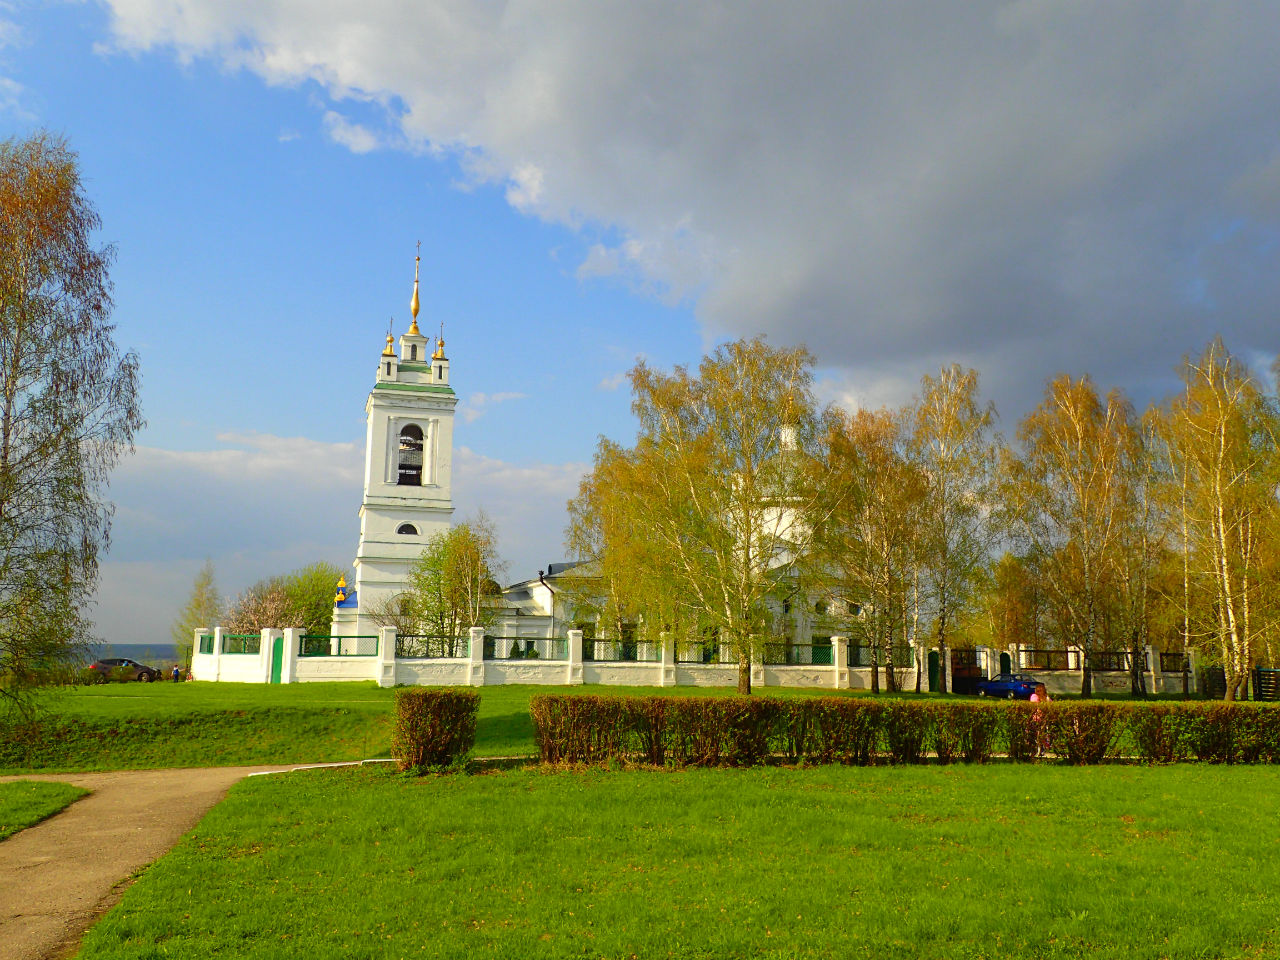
(475, 672)
(840, 660)
(1153, 667)
(265, 638)
(195, 650)
(292, 647)
(574, 674)
(217, 653)
(756, 659)
(387, 657)
(667, 665)
(1193, 668)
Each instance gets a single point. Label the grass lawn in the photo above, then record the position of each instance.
(954, 862)
(24, 803)
(122, 726)
(110, 700)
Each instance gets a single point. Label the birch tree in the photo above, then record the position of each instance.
(1221, 435)
(714, 492)
(202, 609)
(952, 445)
(451, 586)
(68, 407)
(1066, 497)
(866, 546)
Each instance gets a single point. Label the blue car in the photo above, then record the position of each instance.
(1010, 686)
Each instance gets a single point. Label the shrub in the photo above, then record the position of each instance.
(847, 730)
(965, 731)
(1081, 733)
(571, 729)
(749, 725)
(696, 734)
(435, 729)
(907, 727)
(797, 729)
(647, 722)
(1022, 727)
(1235, 733)
(1162, 733)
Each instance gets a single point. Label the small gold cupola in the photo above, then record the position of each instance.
(388, 363)
(439, 354)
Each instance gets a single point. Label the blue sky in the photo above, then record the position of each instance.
(1023, 188)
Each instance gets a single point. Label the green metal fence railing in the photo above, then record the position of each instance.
(242, 643)
(526, 648)
(799, 654)
(862, 656)
(425, 646)
(206, 643)
(320, 645)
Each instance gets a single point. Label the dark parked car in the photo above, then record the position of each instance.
(122, 668)
(1011, 686)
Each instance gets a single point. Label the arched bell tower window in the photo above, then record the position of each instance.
(407, 529)
(410, 465)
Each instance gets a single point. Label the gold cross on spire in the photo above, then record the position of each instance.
(413, 302)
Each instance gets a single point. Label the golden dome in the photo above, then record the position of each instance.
(390, 351)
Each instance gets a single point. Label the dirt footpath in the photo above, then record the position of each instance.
(59, 876)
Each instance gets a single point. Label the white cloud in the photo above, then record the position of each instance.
(261, 505)
(353, 136)
(527, 501)
(477, 405)
(600, 261)
(1034, 185)
(525, 188)
(612, 383)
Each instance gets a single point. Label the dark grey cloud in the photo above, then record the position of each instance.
(1026, 187)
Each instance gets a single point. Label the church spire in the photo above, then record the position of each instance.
(413, 302)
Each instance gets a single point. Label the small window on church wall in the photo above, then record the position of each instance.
(439, 373)
(413, 352)
(407, 529)
(410, 464)
(388, 369)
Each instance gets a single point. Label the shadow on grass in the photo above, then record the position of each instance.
(504, 734)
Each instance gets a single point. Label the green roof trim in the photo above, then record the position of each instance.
(415, 367)
(413, 387)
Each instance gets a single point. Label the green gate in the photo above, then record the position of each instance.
(277, 659)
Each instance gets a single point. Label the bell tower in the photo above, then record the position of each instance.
(408, 471)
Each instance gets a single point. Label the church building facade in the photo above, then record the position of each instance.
(407, 473)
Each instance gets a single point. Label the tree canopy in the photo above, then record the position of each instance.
(693, 526)
(451, 588)
(68, 405)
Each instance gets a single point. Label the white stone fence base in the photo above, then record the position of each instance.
(288, 656)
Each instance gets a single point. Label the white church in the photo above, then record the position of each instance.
(407, 472)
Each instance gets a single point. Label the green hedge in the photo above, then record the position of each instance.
(435, 729)
(742, 731)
